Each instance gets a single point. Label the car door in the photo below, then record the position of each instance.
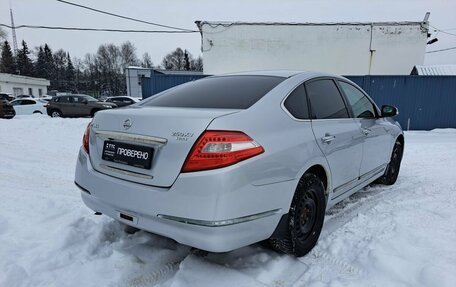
(28, 106)
(118, 101)
(377, 143)
(65, 105)
(337, 135)
(78, 106)
(17, 107)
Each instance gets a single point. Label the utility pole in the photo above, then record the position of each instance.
(13, 29)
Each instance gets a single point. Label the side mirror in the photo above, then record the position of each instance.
(84, 101)
(389, 111)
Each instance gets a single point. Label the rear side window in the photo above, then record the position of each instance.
(325, 100)
(28, 102)
(224, 92)
(296, 103)
(360, 104)
(63, 99)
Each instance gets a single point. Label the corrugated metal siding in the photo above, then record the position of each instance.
(436, 70)
(160, 82)
(429, 102)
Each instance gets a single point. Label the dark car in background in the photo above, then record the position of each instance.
(122, 101)
(6, 109)
(8, 97)
(76, 106)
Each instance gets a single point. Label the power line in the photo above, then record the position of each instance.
(441, 50)
(125, 17)
(96, 29)
(443, 31)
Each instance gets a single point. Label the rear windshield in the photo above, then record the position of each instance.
(224, 92)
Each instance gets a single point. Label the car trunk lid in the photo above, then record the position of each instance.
(170, 132)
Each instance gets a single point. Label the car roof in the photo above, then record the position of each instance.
(282, 73)
(24, 98)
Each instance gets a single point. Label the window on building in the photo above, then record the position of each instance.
(30, 91)
(40, 92)
(17, 91)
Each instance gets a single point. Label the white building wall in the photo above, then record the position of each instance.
(16, 85)
(335, 48)
(134, 77)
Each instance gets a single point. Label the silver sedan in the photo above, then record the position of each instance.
(227, 161)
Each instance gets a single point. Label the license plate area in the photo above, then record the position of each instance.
(127, 154)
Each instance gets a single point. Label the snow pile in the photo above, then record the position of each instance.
(402, 235)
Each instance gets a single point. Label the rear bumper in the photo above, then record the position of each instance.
(203, 210)
(7, 115)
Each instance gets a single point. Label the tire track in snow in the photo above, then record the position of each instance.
(156, 276)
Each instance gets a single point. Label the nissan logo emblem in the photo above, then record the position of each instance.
(127, 124)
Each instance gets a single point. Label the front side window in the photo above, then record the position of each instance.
(325, 100)
(89, 98)
(296, 103)
(16, 103)
(223, 92)
(360, 104)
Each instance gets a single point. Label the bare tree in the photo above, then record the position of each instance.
(146, 61)
(128, 55)
(197, 64)
(174, 60)
(2, 34)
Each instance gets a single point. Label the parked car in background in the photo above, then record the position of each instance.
(28, 106)
(46, 98)
(122, 101)
(227, 161)
(76, 106)
(6, 109)
(5, 96)
(24, 96)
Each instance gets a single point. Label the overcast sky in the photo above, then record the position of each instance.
(183, 13)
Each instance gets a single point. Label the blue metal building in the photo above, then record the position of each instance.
(424, 102)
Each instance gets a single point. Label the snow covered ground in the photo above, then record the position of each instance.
(402, 235)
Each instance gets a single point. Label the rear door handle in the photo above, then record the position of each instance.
(328, 139)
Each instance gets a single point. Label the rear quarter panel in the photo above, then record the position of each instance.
(290, 146)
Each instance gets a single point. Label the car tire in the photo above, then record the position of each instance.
(392, 170)
(92, 113)
(305, 218)
(56, 114)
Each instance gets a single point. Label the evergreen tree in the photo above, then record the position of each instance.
(69, 74)
(60, 58)
(40, 65)
(7, 64)
(186, 61)
(49, 66)
(24, 64)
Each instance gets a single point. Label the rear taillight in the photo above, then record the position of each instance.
(85, 138)
(215, 149)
